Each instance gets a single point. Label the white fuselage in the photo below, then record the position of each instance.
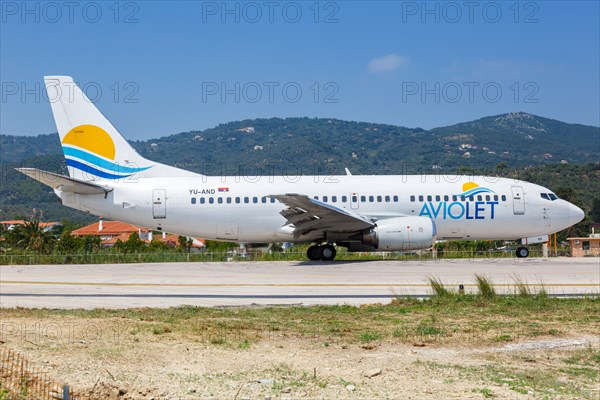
(238, 208)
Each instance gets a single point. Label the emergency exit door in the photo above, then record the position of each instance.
(159, 203)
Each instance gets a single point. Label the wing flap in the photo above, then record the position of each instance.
(308, 215)
(64, 183)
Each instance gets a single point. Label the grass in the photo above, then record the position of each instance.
(484, 287)
(507, 372)
(438, 287)
(485, 392)
(449, 318)
(367, 337)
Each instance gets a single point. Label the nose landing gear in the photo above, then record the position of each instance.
(325, 252)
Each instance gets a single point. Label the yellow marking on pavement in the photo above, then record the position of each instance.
(282, 284)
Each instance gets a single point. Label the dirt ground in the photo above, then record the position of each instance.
(111, 359)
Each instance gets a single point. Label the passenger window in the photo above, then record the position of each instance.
(363, 198)
(333, 199)
(421, 198)
(237, 200)
(371, 199)
(438, 198)
(454, 197)
(344, 199)
(220, 200)
(503, 197)
(272, 199)
(471, 198)
(412, 198)
(479, 197)
(354, 199)
(325, 199)
(211, 200)
(229, 200)
(202, 200)
(246, 200)
(193, 200)
(264, 199)
(487, 197)
(396, 198)
(379, 199)
(429, 198)
(495, 197)
(316, 197)
(462, 198)
(387, 199)
(255, 200)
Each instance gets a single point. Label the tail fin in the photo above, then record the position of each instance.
(93, 148)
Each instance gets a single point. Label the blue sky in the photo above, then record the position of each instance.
(167, 67)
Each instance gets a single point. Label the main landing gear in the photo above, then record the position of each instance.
(522, 252)
(324, 252)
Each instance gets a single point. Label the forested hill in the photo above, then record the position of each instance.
(330, 145)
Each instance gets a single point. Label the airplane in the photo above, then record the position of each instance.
(108, 178)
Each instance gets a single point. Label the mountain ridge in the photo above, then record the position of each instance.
(496, 138)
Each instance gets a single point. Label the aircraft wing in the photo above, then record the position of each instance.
(308, 215)
(64, 183)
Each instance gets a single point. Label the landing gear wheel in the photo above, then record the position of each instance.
(328, 252)
(314, 253)
(522, 252)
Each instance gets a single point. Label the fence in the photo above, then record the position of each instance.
(150, 257)
(19, 380)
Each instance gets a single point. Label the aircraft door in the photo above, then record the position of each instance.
(159, 203)
(518, 200)
(354, 201)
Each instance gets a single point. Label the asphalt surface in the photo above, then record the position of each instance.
(269, 283)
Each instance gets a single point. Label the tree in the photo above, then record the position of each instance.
(595, 211)
(185, 243)
(134, 244)
(31, 236)
(69, 244)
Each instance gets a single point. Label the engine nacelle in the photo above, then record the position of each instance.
(401, 233)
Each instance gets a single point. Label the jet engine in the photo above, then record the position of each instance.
(401, 233)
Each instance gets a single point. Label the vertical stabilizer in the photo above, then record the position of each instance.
(93, 148)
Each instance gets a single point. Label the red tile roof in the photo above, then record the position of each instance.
(109, 228)
(173, 240)
(22, 222)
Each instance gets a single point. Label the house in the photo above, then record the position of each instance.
(46, 226)
(586, 246)
(111, 231)
(173, 241)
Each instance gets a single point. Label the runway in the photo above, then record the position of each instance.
(278, 283)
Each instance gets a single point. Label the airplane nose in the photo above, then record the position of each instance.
(576, 214)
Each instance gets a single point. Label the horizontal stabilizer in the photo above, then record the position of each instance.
(64, 183)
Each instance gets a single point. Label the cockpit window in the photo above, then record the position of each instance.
(549, 196)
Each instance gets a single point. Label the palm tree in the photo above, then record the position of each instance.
(32, 236)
